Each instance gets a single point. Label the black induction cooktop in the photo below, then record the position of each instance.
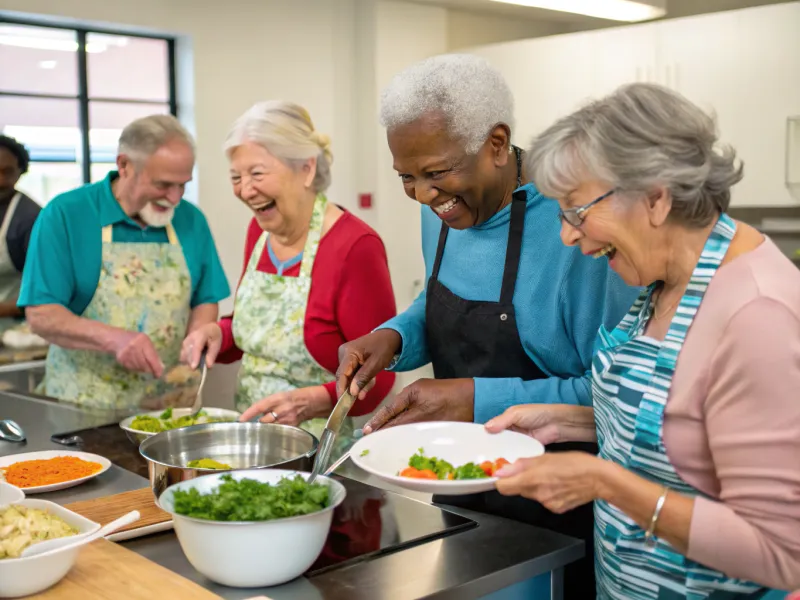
(370, 522)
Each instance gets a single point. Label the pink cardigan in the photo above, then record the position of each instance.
(732, 422)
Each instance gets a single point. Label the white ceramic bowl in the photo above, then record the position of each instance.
(386, 452)
(10, 494)
(252, 554)
(24, 576)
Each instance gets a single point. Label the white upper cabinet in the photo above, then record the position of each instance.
(550, 78)
(623, 55)
(743, 66)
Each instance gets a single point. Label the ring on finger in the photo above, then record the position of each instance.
(274, 414)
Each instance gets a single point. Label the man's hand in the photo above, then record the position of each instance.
(209, 337)
(136, 352)
(362, 359)
(428, 400)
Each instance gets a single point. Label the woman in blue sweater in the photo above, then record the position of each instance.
(509, 315)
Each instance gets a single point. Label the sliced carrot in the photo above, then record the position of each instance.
(427, 474)
(487, 467)
(409, 472)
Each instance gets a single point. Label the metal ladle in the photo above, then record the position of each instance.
(11, 431)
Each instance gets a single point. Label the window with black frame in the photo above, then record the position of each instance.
(66, 93)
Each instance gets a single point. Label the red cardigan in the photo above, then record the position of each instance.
(351, 294)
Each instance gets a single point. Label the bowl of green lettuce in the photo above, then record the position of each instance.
(252, 528)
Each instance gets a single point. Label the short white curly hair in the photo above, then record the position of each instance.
(471, 94)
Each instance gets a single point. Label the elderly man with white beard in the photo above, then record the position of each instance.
(120, 271)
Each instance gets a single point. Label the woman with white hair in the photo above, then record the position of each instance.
(503, 318)
(696, 409)
(315, 276)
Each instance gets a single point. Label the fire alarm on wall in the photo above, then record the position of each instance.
(365, 200)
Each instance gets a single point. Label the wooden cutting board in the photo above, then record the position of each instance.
(107, 571)
(107, 508)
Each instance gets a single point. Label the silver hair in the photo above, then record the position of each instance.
(142, 137)
(287, 132)
(638, 138)
(471, 94)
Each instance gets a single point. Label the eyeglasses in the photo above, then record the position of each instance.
(575, 216)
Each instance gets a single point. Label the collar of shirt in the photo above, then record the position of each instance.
(111, 212)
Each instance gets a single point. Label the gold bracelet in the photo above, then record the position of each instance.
(649, 536)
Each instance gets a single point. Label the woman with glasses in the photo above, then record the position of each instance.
(509, 314)
(695, 393)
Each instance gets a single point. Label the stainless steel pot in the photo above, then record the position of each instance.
(240, 445)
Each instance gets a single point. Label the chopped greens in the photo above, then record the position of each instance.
(364, 452)
(165, 422)
(251, 500)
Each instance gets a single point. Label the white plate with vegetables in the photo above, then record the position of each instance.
(51, 470)
(443, 457)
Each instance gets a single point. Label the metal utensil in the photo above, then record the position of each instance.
(330, 432)
(11, 431)
(337, 464)
(198, 401)
(240, 445)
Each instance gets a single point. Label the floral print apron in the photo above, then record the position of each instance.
(143, 287)
(632, 376)
(268, 325)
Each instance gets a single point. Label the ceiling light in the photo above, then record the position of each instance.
(47, 64)
(614, 10)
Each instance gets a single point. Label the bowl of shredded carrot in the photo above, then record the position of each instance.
(48, 471)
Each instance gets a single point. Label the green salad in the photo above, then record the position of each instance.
(251, 500)
(165, 422)
(430, 467)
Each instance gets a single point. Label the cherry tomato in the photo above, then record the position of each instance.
(499, 464)
(487, 467)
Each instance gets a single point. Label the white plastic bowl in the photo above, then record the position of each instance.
(386, 452)
(25, 576)
(10, 494)
(252, 554)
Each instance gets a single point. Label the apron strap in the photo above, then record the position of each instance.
(12, 207)
(514, 248)
(440, 251)
(108, 235)
(171, 235)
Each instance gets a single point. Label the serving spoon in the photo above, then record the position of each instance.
(11, 431)
(59, 544)
(198, 401)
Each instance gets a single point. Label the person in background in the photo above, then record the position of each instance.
(503, 318)
(18, 213)
(696, 408)
(120, 271)
(315, 276)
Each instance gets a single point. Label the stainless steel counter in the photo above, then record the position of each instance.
(470, 564)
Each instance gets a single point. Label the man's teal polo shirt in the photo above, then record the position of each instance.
(65, 251)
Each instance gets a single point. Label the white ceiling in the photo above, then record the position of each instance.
(675, 8)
